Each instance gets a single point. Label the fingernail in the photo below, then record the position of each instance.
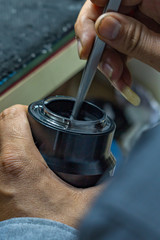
(107, 69)
(108, 27)
(79, 45)
(130, 96)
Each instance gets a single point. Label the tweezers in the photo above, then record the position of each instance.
(92, 63)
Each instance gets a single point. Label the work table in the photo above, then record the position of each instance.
(38, 51)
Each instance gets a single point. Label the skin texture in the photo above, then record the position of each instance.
(28, 188)
(136, 34)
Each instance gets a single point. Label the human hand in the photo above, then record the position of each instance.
(28, 188)
(135, 36)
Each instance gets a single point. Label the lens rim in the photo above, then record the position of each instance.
(40, 111)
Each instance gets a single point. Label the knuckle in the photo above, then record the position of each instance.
(12, 163)
(12, 159)
(79, 24)
(100, 3)
(94, 1)
(132, 40)
(76, 27)
(10, 112)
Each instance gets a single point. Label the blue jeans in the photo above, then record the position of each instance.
(35, 228)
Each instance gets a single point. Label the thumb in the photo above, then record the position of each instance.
(130, 37)
(17, 148)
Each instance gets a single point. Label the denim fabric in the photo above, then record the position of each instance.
(35, 229)
(129, 208)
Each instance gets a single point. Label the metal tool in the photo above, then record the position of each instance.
(92, 63)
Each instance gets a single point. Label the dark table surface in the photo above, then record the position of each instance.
(29, 28)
